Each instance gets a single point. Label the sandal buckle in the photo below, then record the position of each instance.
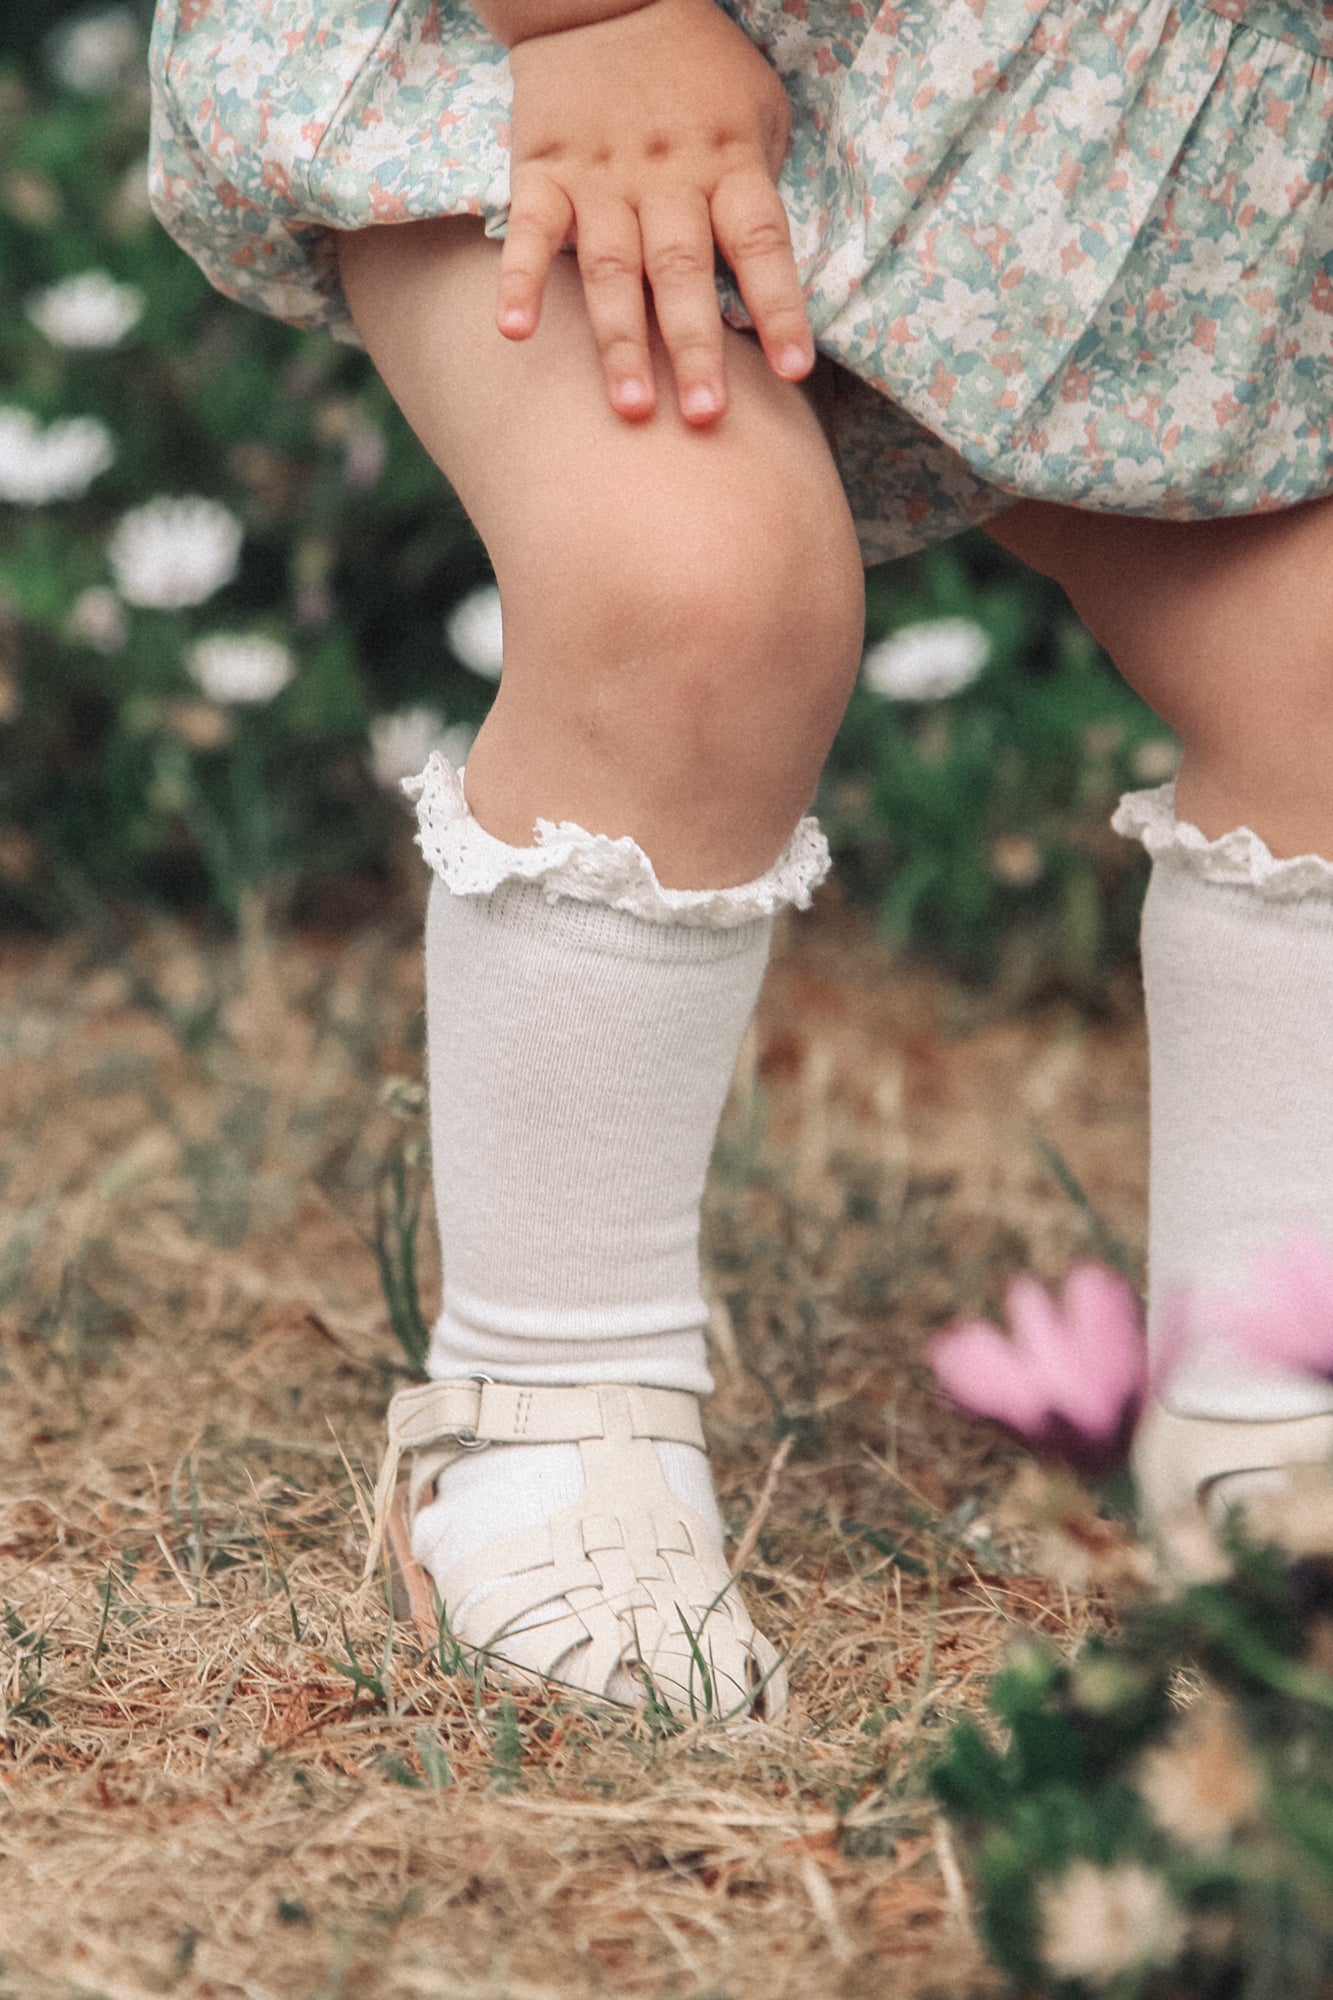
(468, 1440)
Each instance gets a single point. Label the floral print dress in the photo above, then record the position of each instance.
(1075, 250)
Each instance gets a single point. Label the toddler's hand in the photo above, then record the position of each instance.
(644, 139)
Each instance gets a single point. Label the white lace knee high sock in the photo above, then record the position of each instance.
(583, 1025)
(1238, 978)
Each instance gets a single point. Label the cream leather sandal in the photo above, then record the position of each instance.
(1191, 1470)
(645, 1578)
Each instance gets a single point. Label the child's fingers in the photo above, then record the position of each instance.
(610, 254)
(678, 258)
(753, 234)
(540, 214)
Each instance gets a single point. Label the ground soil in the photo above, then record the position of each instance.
(225, 1773)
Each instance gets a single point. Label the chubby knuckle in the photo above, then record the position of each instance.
(756, 236)
(523, 264)
(673, 263)
(607, 266)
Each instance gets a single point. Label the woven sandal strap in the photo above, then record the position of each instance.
(475, 1412)
(565, 1549)
(575, 1556)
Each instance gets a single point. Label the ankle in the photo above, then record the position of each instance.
(542, 1349)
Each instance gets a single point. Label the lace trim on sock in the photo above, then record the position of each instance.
(594, 867)
(1240, 858)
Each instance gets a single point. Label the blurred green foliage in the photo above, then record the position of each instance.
(976, 823)
(1158, 1812)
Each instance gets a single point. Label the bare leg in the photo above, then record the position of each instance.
(683, 610)
(1226, 629)
(683, 618)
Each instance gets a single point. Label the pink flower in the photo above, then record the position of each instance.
(1071, 1377)
(1291, 1325)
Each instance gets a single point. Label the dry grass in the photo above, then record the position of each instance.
(222, 1778)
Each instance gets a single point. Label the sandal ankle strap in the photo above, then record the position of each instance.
(477, 1412)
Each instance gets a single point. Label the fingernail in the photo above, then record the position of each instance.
(794, 360)
(633, 394)
(700, 401)
(513, 320)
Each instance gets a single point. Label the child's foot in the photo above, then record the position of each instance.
(1191, 1471)
(577, 1537)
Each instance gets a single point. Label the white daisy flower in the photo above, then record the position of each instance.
(58, 463)
(170, 553)
(473, 631)
(927, 661)
(402, 743)
(240, 669)
(98, 53)
(97, 619)
(89, 311)
(1099, 1922)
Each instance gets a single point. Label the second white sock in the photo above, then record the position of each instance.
(1238, 978)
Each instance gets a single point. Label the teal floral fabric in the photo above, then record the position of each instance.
(1078, 250)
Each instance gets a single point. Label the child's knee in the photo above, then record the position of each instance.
(721, 642)
(759, 642)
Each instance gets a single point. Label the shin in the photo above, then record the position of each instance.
(1226, 632)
